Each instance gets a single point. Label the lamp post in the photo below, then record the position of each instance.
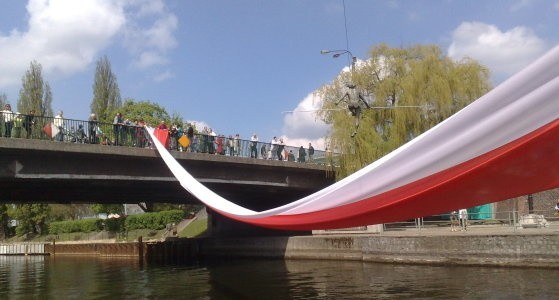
(337, 53)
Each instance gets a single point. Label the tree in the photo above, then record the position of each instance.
(4, 219)
(419, 85)
(62, 212)
(3, 100)
(35, 94)
(108, 208)
(47, 101)
(106, 94)
(150, 112)
(31, 218)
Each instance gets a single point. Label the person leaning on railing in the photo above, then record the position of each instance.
(93, 129)
(28, 123)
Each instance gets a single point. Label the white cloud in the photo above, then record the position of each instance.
(149, 33)
(301, 126)
(163, 76)
(505, 53)
(66, 36)
(149, 58)
(519, 5)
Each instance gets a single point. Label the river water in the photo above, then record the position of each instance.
(38, 277)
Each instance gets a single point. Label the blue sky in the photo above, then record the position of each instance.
(238, 66)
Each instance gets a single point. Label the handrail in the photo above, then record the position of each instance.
(15, 125)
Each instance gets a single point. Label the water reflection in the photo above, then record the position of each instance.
(97, 278)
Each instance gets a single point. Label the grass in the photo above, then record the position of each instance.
(195, 229)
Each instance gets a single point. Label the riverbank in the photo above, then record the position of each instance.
(479, 245)
(485, 246)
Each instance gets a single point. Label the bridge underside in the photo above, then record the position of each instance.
(44, 171)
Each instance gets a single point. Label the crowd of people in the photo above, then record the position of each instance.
(208, 141)
(16, 124)
(131, 132)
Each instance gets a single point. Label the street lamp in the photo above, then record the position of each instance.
(337, 53)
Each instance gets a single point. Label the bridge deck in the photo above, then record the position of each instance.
(56, 172)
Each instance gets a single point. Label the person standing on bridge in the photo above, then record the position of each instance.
(8, 116)
(254, 146)
(118, 124)
(280, 148)
(59, 124)
(190, 136)
(29, 122)
(274, 147)
(237, 144)
(302, 154)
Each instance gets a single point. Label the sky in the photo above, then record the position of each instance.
(250, 66)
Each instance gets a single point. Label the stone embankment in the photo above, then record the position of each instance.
(492, 246)
(537, 247)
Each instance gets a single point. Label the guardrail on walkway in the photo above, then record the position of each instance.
(506, 220)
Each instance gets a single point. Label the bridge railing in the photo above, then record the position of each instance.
(15, 125)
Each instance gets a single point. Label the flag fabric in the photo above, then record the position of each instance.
(501, 146)
(184, 141)
(51, 130)
(162, 135)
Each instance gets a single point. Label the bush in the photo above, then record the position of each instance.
(114, 224)
(85, 225)
(154, 221)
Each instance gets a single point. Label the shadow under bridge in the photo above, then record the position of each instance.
(55, 172)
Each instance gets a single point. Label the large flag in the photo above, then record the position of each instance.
(162, 135)
(501, 146)
(51, 130)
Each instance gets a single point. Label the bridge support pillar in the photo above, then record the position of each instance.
(220, 226)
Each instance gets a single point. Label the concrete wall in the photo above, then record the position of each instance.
(494, 250)
(512, 250)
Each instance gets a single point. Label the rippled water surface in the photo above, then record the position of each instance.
(97, 278)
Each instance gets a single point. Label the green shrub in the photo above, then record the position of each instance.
(85, 225)
(114, 224)
(154, 221)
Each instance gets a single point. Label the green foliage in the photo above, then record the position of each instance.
(61, 212)
(108, 208)
(84, 225)
(156, 220)
(3, 100)
(114, 224)
(418, 76)
(31, 218)
(106, 94)
(150, 112)
(4, 219)
(35, 94)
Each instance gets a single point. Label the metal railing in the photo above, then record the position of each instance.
(503, 219)
(13, 125)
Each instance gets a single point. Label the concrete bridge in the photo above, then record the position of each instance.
(34, 170)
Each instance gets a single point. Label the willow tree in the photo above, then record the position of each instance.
(409, 91)
(35, 93)
(106, 94)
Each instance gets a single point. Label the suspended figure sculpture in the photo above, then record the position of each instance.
(355, 102)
